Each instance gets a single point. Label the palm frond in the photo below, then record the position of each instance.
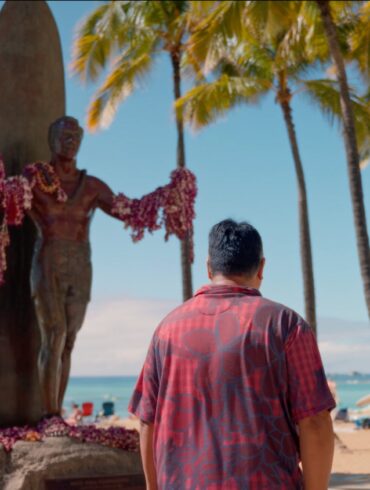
(97, 38)
(326, 94)
(206, 102)
(127, 73)
(222, 23)
(359, 40)
(271, 19)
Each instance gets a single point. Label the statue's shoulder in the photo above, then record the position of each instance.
(91, 179)
(95, 183)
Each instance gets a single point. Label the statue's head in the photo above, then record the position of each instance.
(65, 135)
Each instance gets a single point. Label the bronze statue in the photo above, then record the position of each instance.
(61, 268)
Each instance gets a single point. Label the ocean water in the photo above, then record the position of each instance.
(351, 388)
(98, 390)
(119, 389)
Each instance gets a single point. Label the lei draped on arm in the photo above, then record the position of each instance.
(170, 206)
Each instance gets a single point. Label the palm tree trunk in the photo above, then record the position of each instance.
(304, 226)
(349, 135)
(185, 244)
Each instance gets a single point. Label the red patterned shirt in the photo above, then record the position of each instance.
(227, 377)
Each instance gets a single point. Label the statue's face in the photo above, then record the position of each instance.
(67, 140)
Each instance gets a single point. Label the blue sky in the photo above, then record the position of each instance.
(245, 171)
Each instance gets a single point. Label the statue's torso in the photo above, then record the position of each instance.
(68, 220)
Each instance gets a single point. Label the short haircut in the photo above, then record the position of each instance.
(54, 128)
(234, 248)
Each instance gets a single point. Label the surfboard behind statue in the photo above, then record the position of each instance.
(32, 95)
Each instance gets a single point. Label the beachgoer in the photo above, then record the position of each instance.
(75, 416)
(233, 393)
(61, 267)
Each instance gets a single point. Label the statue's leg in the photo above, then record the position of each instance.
(75, 314)
(52, 324)
(49, 288)
(77, 299)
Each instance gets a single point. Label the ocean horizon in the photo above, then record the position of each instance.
(118, 389)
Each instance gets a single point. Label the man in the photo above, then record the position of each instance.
(233, 392)
(61, 269)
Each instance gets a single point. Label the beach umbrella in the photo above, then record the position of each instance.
(365, 400)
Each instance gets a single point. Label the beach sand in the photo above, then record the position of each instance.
(351, 466)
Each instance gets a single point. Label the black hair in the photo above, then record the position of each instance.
(55, 127)
(234, 248)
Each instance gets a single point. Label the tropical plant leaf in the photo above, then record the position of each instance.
(224, 22)
(326, 94)
(97, 38)
(127, 73)
(206, 102)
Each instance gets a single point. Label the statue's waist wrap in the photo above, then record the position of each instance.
(62, 268)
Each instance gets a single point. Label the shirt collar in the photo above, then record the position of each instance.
(222, 290)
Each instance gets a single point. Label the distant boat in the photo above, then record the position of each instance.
(356, 373)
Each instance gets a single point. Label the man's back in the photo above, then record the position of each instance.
(225, 383)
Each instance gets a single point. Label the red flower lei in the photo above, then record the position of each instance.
(176, 199)
(15, 198)
(43, 175)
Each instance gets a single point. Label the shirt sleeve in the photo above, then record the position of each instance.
(143, 402)
(308, 389)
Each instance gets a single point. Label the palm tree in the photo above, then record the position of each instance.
(136, 33)
(266, 58)
(351, 146)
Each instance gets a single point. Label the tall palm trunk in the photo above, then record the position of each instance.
(283, 98)
(187, 283)
(349, 135)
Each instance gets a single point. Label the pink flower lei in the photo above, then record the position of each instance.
(43, 175)
(15, 198)
(176, 200)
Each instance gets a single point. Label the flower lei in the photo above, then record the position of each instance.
(116, 437)
(176, 200)
(15, 198)
(43, 176)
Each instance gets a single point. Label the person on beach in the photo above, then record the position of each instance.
(233, 394)
(75, 416)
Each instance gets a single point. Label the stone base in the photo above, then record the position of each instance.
(31, 463)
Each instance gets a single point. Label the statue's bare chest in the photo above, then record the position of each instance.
(80, 203)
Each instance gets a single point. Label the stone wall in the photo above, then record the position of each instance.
(30, 463)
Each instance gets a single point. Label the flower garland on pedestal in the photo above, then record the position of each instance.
(177, 201)
(116, 437)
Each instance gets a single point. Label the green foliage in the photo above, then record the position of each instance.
(274, 46)
(125, 38)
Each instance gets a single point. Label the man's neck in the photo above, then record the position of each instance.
(248, 282)
(64, 167)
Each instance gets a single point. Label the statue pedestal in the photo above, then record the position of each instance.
(31, 464)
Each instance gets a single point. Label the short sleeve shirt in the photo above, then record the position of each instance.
(227, 377)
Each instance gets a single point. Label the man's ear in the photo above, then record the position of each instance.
(209, 271)
(261, 268)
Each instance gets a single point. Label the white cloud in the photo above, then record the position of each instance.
(116, 334)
